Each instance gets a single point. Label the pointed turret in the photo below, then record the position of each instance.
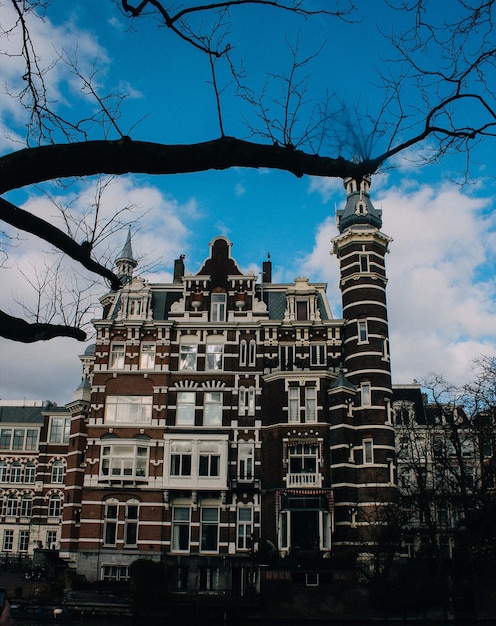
(360, 401)
(125, 261)
(359, 210)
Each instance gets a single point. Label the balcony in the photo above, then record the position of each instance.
(304, 479)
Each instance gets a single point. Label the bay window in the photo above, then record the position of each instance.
(128, 409)
(180, 461)
(121, 461)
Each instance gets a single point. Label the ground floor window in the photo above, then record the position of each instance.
(8, 540)
(51, 539)
(305, 523)
(115, 572)
(209, 529)
(23, 540)
(208, 579)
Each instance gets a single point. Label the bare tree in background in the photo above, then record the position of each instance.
(455, 109)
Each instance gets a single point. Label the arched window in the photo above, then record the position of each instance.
(12, 504)
(26, 505)
(54, 505)
(57, 472)
(29, 472)
(15, 472)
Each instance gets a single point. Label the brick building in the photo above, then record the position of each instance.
(219, 416)
(34, 438)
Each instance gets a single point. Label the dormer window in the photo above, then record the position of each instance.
(361, 209)
(302, 309)
(218, 307)
(134, 307)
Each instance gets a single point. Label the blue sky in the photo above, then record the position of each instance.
(441, 269)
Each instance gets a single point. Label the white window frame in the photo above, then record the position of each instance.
(212, 408)
(60, 429)
(188, 357)
(363, 333)
(185, 408)
(51, 539)
(8, 540)
(57, 473)
(218, 307)
(128, 409)
(366, 394)
(135, 307)
(311, 403)
(110, 522)
(147, 355)
(209, 459)
(54, 505)
(252, 353)
(214, 357)
(181, 459)
(246, 401)
(131, 522)
(293, 404)
(23, 540)
(117, 355)
(364, 263)
(15, 472)
(181, 528)
(246, 462)
(318, 354)
(205, 526)
(368, 451)
(29, 473)
(124, 461)
(303, 458)
(26, 508)
(244, 528)
(243, 352)
(12, 506)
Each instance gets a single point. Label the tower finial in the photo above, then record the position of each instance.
(125, 261)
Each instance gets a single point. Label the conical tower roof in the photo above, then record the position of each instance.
(125, 261)
(359, 210)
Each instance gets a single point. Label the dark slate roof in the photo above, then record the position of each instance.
(342, 381)
(162, 302)
(127, 250)
(27, 414)
(276, 304)
(410, 393)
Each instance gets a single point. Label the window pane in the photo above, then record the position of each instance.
(187, 357)
(147, 357)
(214, 357)
(185, 410)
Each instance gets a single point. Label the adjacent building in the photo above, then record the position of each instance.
(34, 438)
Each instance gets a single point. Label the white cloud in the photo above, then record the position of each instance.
(441, 289)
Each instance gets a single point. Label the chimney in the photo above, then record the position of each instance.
(179, 270)
(267, 270)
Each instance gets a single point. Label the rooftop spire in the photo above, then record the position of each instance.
(125, 261)
(359, 210)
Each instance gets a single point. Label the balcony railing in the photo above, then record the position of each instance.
(305, 479)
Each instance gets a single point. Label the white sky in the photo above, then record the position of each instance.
(441, 289)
